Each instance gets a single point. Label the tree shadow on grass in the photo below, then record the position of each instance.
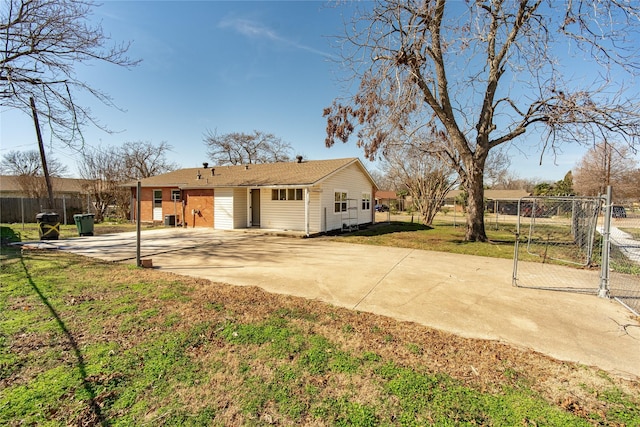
(95, 416)
(383, 228)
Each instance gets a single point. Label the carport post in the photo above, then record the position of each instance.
(138, 225)
(307, 200)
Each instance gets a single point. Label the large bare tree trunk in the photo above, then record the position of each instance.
(475, 207)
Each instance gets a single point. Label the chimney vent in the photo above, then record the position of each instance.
(205, 165)
(246, 167)
(299, 158)
(213, 171)
(198, 176)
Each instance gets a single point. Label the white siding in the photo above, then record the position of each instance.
(223, 209)
(316, 214)
(240, 208)
(281, 214)
(355, 183)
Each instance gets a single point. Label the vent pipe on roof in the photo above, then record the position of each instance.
(205, 165)
(198, 176)
(213, 171)
(299, 158)
(246, 167)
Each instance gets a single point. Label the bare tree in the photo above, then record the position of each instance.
(426, 179)
(26, 167)
(496, 167)
(28, 163)
(103, 170)
(42, 43)
(607, 164)
(144, 159)
(485, 73)
(241, 148)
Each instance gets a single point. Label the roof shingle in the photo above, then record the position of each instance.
(252, 175)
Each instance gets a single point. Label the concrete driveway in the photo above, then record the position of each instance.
(466, 295)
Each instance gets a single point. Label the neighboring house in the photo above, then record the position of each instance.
(389, 199)
(308, 196)
(506, 200)
(23, 197)
(26, 186)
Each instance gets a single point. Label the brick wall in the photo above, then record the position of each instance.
(202, 202)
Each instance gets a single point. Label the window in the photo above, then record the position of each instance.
(157, 198)
(340, 201)
(286, 194)
(280, 194)
(175, 195)
(294, 194)
(366, 201)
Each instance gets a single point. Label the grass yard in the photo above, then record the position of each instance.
(85, 342)
(444, 236)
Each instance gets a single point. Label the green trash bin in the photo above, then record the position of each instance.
(84, 222)
(48, 225)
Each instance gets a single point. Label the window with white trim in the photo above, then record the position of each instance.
(366, 201)
(294, 194)
(286, 194)
(340, 202)
(175, 195)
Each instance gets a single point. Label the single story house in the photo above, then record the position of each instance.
(309, 196)
(506, 201)
(16, 186)
(390, 199)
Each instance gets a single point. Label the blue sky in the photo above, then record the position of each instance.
(228, 67)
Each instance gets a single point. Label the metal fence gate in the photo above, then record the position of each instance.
(579, 244)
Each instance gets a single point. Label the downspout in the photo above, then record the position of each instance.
(307, 201)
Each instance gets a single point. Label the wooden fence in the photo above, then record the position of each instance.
(24, 210)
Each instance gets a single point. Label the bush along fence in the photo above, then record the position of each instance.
(24, 210)
(579, 244)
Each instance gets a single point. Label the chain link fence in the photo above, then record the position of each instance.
(624, 256)
(561, 241)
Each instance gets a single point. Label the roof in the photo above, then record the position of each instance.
(11, 184)
(386, 195)
(306, 173)
(494, 194)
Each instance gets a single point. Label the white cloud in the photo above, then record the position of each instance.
(253, 29)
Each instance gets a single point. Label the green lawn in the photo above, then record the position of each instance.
(84, 342)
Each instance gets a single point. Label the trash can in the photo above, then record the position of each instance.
(84, 222)
(170, 220)
(48, 225)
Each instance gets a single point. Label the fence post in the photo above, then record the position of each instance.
(603, 291)
(22, 211)
(138, 223)
(454, 213)
(64, 209)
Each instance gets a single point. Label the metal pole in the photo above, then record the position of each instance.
(516, 248)
(138, 225)
(22, 211)
(603, 291)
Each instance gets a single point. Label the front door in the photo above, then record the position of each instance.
(255, 208)
(157, 205)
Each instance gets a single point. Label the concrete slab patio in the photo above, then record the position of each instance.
(466, 295)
